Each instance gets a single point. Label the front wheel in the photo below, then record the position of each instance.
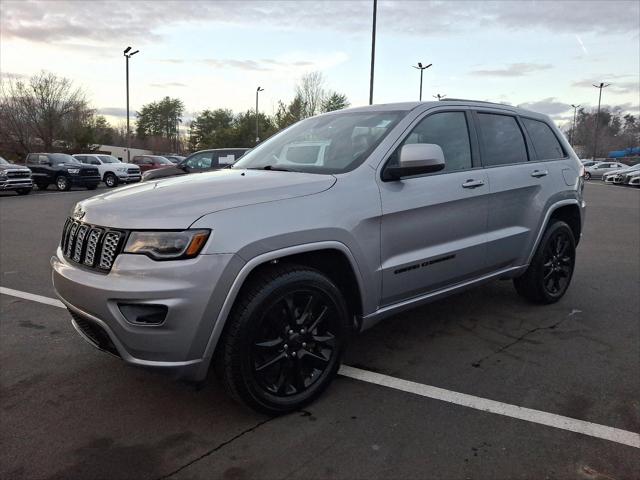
(550, 271)
(587, 176)
(110, 180)
(63, 183)
(283, 342)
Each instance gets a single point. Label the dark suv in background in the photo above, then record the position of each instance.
(201, 161)
(62, 170)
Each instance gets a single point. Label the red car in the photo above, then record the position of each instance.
(150, 162)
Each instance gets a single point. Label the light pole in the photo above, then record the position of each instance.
(439, 97)
(595, 136)
(258, 90)
(128, 55)
(573, 130)
(422, 69)
(373, 50)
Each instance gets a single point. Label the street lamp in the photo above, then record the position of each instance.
(128, 55)
(422, 69)
(439, 97)
(573, 130)
(595, 136)
(258, 90)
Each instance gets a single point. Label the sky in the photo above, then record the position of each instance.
(543, 55)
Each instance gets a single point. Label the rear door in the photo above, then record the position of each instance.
(522, 181)
(433, 226)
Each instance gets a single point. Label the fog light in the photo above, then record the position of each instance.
(143, 314)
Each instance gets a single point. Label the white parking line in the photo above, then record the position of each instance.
(616, 435)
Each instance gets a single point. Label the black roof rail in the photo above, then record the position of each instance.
(475, 101)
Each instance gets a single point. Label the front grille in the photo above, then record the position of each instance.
(133, 171)
(94, 333)
(91, 246)
(18, 174)
(89, 172)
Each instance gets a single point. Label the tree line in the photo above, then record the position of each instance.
(615, 132)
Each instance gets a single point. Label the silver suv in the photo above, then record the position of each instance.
(265, 269)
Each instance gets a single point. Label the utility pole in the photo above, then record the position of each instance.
(422, 69)
(573, 130)
(373, 51)
(595, 136)
(258, 90)
(128, 56)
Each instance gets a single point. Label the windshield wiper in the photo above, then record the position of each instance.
(271, 167)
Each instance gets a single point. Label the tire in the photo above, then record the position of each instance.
(110, 180)
(587, 176)
(62, 183)
(92, 187)
(266, 358)
(549, 274)
(23, 191)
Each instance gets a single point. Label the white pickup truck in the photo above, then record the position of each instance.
(112, 171)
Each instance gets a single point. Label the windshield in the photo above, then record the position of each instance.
(63, 158)
(108, 159)
(329, 144)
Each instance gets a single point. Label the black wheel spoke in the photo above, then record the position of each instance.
(318, 320)
(316, 360)
(269, 363)
(307, 313)
(268, 344)
(290, 310)
(325, 338)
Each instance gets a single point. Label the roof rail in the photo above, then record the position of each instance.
(475, 101)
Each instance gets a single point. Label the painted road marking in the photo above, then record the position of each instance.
(616, 435)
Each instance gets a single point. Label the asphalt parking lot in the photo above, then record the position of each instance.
(68, 411)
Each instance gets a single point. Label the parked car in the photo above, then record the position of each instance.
(174, 158)
(62, 170)
(588, 163)
(150, 162)
(15, 178)
(112, 171)
(632, 179)
(201, 161)
(599, 169)
(264, 270)
(617, 176)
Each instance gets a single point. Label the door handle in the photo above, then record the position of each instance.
(539, 173)
(472, 183)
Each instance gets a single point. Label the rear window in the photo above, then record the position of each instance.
(544, 141)
(502, 140)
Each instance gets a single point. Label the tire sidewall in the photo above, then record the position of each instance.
(67, 185)
(250, 319)
(110, 177)
(538, 260)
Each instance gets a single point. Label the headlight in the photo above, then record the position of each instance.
(3, 173)
(73, 171)
(121, 169)
(167, 245)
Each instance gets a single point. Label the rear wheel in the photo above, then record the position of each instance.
(111, 180)
(550, 271)
(62, 183)
(284, 340)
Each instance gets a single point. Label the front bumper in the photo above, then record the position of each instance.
(125, 177)
(193, 292)
(16, 184)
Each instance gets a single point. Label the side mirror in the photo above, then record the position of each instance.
(416, 159)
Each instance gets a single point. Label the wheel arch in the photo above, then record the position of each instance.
(332, 258)
(565, 210)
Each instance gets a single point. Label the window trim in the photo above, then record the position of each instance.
(527, 145)
(538, 159)
(471, 131)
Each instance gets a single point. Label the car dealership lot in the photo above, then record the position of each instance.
(69, 411)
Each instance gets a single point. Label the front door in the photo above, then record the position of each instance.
(433, 227)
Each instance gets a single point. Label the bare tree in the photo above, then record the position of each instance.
(43, 110)
(312, 93)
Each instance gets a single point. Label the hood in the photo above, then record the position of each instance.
(177, 202)
(162, 172)
(12, 166)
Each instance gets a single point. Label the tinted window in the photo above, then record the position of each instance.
(449, 131)
(544, 141)
(200, 160)
(501, 139)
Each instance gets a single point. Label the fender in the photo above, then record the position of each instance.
(221, 319)
(547, 216)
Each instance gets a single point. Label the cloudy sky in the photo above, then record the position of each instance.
(544, 54)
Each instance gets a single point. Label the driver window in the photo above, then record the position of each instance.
(201, 161)
(448, 130)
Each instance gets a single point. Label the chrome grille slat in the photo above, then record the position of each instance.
(92, 246)
(109, 249)
(71, 238)
(80, 236)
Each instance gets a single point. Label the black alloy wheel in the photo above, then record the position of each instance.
(558, 264)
